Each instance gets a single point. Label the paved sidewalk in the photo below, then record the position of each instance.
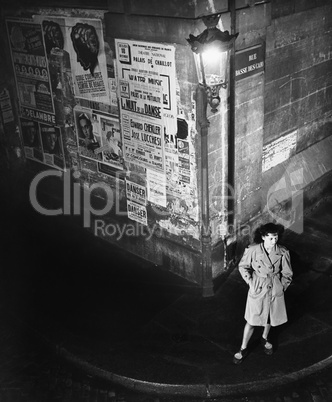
(136, 325)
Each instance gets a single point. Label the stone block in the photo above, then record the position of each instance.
(300, 26)
(185, 66)
(216, 163)
(248, 39)
(299, 56)
(241, 4)
(172, 8)
(313, 132)
(217, 135)
(327, 106)
(153, 29)
(249, 207)
(304, 5)
(281, 8)
(305, 167)
(277, 94)
(249, 89)
(250, 116)
(311, 80)
(116, 6)
(248, 146)
(278, 122)
(253, 18)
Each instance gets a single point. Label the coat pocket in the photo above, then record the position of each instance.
(278, 287)
(256, 285)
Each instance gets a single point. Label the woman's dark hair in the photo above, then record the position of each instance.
(271, 228)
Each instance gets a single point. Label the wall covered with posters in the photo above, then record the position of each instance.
(109, 116)
(106, 100)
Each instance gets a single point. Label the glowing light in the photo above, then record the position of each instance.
(211, 56)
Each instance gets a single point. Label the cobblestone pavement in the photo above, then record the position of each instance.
(29, 372)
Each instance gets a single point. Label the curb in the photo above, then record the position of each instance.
(204, 391)
(193, 390)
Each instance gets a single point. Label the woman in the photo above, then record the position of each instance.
(266, 268)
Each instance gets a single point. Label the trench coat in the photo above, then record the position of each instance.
(268, 276)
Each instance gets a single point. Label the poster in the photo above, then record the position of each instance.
(6, 107)
(43, 143)
(30, 68)
(156, 184)
(147, 93)
(88, 60)
(52, 146)
(184, 161)
(99, 137)
(110, 139)
(279, 151)
(135, 192)
(148, 71)
(82, 41)
(137, 212)
(143, 141)
(31, 140)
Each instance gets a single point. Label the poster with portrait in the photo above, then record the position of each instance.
(112, 154)
(52, 146)
(88, 61)
(82, 42)
(30, 69)
(59, 66)
(99, 138)
(31, 139)
(88, 134)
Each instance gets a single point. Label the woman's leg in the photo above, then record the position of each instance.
(247, 333)
(266, 331)
(268, 347)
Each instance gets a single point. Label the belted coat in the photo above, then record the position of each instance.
(268, 276)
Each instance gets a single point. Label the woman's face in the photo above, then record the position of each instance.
(270, 240)
(86, 128)
(51, 141)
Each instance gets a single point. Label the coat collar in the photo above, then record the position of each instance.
(274, 256)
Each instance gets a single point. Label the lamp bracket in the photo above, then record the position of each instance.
(212, 93)
(211, 21)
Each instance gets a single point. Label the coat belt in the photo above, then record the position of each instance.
(269, 275)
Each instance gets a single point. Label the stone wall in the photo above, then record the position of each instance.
(293, 159)
(298, 105)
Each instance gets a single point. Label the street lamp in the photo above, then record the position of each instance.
(211, 50)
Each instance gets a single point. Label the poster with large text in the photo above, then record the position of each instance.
(149, 71)
(30, 69)
(137, 212)
(143, 141)
(147, 91)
